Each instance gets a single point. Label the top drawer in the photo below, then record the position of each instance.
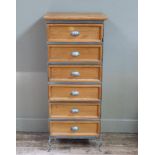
(75, 32)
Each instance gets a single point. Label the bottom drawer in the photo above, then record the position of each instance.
(74, 128)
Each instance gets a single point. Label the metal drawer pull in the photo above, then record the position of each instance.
(75, 110)
(74, 93)
(75, 128)
(75, 33)
(75, 53)
(75, 74)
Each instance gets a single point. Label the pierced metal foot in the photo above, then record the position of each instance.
(99, 144)
(49, 145)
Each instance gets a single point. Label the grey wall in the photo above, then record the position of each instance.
(120, 62)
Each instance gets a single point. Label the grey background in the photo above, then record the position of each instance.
(120, 62)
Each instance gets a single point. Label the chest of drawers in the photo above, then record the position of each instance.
(75, 61)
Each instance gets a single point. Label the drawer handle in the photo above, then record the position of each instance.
(75, 53)
(75, 73)
(75, 110)
(74, 93)
(74, 128)
(75, 33)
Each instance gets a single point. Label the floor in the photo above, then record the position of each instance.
(114, 144)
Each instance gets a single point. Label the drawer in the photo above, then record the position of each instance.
(74, 92)
(74, 128)
(75, 53)
(74, 73)
(74, 32)
(74, 110)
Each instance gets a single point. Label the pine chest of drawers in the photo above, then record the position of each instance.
(75, 59)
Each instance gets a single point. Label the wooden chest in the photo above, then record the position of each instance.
(75, 58)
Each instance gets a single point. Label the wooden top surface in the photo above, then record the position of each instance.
(74, 16)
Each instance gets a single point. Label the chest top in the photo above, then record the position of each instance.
(75, 16)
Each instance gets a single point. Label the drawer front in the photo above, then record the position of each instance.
(77, 73)
(74, 92)
(75, 53)
(74, 128)
(74, 32)
(74, 110)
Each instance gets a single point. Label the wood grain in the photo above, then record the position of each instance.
(62, 73)
(63, 128)
(62, 53)
(63, 92)
(63, 110)
(113, 144)
(75, 16)
(62, 32)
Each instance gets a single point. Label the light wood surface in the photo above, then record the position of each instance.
(62, 32)
(74, 16)
(30, 143)
(87, 73)
(63, 128)
(64, 110)
(63, 53)
(63, 92)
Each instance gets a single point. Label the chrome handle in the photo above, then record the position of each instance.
(75, 33)
(74, 128)
(75, 73)
(75, 53)
(74, 93)
(74, 110)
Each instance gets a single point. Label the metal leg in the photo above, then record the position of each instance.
(99, 143)
(49, 144)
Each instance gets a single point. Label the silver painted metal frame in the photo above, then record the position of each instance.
(100, 137)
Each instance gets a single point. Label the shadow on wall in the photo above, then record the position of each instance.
(32, 100)
(31, 49)
(120, 71)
